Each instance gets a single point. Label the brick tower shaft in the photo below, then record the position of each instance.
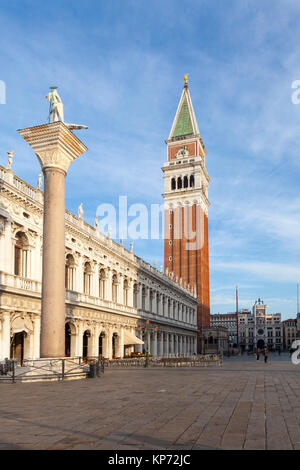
(186, 249)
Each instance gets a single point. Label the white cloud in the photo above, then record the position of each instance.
(275, 272)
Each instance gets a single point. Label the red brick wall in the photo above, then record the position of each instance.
(192, 265)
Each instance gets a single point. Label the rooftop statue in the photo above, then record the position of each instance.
(10, 159)
(40, 181)
(80, 211)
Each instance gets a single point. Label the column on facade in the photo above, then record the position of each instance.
(121, 342)
(154, 344)
(120, 281)
(148, 342)
(79, 274)
(6, 248)
(95, 340)
(160, 344)
(95, 280)
(179, 311)
(147, 299)
(139, 295)
(108, 338)
(79, 340)
(167, 354)
(108, 284)
(171, 344)
(171, 308)
(130, 293)
(195, 345)
(5, 335)
(36, 336)
(138, 347)
(36, 261)
(176, 345)
(161, 304)
(29, 346)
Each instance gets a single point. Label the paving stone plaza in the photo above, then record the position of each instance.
(244, 404)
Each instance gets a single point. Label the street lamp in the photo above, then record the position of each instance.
(145, 331)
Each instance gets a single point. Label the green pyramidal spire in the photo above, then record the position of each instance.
(185, 121)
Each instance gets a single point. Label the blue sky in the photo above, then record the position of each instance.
(119, 68)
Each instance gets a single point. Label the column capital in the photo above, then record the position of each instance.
(54, 144)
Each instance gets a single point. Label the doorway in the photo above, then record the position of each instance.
(17, 346)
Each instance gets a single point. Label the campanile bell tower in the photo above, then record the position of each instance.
(186, 182)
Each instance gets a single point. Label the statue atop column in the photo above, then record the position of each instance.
(56, 110)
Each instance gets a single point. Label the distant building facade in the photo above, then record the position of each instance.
(289, 328)
(214, 340)
(255, 330)
(227, 321)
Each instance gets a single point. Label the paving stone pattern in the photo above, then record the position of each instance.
(244, 404)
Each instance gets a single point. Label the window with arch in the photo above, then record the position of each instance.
(115, 288)
(185, 182)
(192, 181)
(70, 272)
(87, 279)
(102, 283)
(173, 184)
(21, 261)
(179, 183)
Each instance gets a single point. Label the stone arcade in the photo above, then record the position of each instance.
(110, 292)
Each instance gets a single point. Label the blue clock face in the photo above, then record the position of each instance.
(260, 331)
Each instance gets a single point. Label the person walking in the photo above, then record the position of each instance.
(266, 352)
(257, 354)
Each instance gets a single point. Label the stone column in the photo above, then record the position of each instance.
(56, 147)
(130, 294)
(155, 343)
(121, 343)
(148, 342)
(139, 296)
(109, 344)
(195, 345)
(36, 337)
(171, 345)
(79, 348)
(167, 345)
(6, 248)
(147, 300)
(5, 335)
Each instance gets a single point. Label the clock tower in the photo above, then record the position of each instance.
(186, 254)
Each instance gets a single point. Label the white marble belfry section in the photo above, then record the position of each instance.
(111, 295)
